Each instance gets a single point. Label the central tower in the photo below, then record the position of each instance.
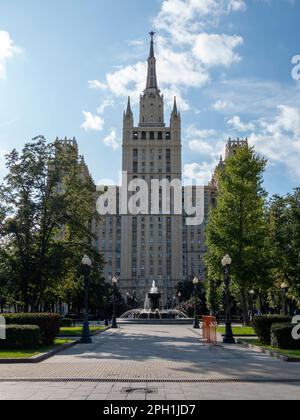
(151, 244)
(152, 102)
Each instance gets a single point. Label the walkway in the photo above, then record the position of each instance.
(139, 356)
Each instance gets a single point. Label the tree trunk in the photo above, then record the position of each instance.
(245, 308)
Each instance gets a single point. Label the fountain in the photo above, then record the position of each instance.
(152, 309)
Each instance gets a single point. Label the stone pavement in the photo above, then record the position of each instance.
(137, 391)
(138, 356)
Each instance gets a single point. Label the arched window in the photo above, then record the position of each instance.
(151, 135)
(144, 136)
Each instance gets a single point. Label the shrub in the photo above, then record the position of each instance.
(67, 322)
(49, 324)
(21, 337)
(281, 337)
(263, 325)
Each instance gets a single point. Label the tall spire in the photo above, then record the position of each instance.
(175, 109)
(128, 111)
(152, 77)
(151, 55)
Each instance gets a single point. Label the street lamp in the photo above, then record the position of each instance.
(179, 299)
(284, 290)
(252, 294)
(86, 269)
(174, 302)
(114, 319)
(226, 263)
(196, 318)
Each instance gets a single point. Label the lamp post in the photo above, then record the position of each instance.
(252, 294)
(174, 302)
(86, 269)
(226, 263)
(114, 318)
(179, 300)
(196, 318)
(284, 290)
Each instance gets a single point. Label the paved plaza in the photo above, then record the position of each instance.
(159, 362)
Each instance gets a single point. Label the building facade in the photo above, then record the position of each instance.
(161, 246)
(155, 246)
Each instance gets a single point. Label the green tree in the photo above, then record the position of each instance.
(237, 226)
(284, 228)
(47, 209)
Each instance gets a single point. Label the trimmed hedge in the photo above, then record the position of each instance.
(281, 337)
(49, 324)
(21, 337)
(263, 325)
(67, 322)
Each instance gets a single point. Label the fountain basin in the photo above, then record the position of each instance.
(139, 314)
(151, 313)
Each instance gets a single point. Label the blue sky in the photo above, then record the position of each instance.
(66, 68)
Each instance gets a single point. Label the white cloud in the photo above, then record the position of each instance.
(201, 146)
(107, 103)
(193, 132)
(199, 174)
(95, 84)
(237, 5)
(129, 80)
(7, 50)
(217, 50)
(253, 97)
(222, 105)
(92, 122)
(278, 139)
(209, 146)
(205, 142)
(111, 140)
(238, 125)
(183, 18)
(185, 55)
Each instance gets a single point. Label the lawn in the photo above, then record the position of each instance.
(289, 353)
(239, 331)
(77, 331)
(26, 354)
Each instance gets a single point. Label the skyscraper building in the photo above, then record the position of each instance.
(155, 246)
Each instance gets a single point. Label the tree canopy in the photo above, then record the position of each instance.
(46, 222)
(238, 226)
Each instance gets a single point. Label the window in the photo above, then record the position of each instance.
(151, 135)
(168, 136)
(135, 136)
(159, 135)
(144, 136)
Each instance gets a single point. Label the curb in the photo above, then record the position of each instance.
(243, 336)
(271, 353)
